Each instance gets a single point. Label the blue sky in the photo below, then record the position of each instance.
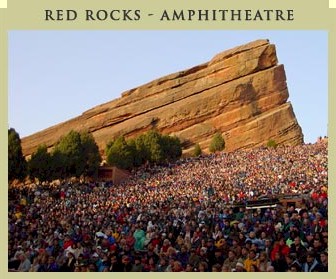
(57, 75)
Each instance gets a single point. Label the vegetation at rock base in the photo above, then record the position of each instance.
(75, 155)
(39, 165)
(151, 147)
(271, 143)
(120, 154)
(71, 147)
(197, 150)
(79, 154)
(17, 165)
(217, 143)
(91, 155)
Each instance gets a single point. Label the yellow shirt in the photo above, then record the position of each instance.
(248, 263)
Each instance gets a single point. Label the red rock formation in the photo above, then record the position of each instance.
(241, 92)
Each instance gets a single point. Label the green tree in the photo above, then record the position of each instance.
(138, 157)
(158, 148)
(217, 143)
(149, 147)
(76, 154)
(272, 143)
(71, 148)
(171, 147)
(197, 150)
(57, 164)
(120, 154)
(142, 149)
(109, 144)
(91, 155)
(153, 146)
(39, 165)
(17, 165)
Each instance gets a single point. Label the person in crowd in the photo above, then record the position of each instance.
(25, 263)
(164, 216)
(252, 259)
(231, 260)
(69, 264)
(264, 262)
(52, 266)
(311, 264)
(240, 267)
(298, 249)
(324, 262)
(279, 263)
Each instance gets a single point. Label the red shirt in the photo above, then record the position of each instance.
(283, 249)
(67, 243)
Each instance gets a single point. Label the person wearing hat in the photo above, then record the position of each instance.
(240, 267)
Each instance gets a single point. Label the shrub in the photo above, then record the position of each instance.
(217, 143)
(272, 143)
(120, 154)
(151, 147)
(17, 165)
(197, 150)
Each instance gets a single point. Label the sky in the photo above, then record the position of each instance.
(57, 75)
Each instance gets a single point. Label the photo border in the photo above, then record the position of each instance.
(28, 15)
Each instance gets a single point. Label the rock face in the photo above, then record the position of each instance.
(241, 92)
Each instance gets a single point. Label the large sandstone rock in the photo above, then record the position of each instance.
(241, 92)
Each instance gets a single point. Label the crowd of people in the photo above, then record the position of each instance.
(184, 216)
